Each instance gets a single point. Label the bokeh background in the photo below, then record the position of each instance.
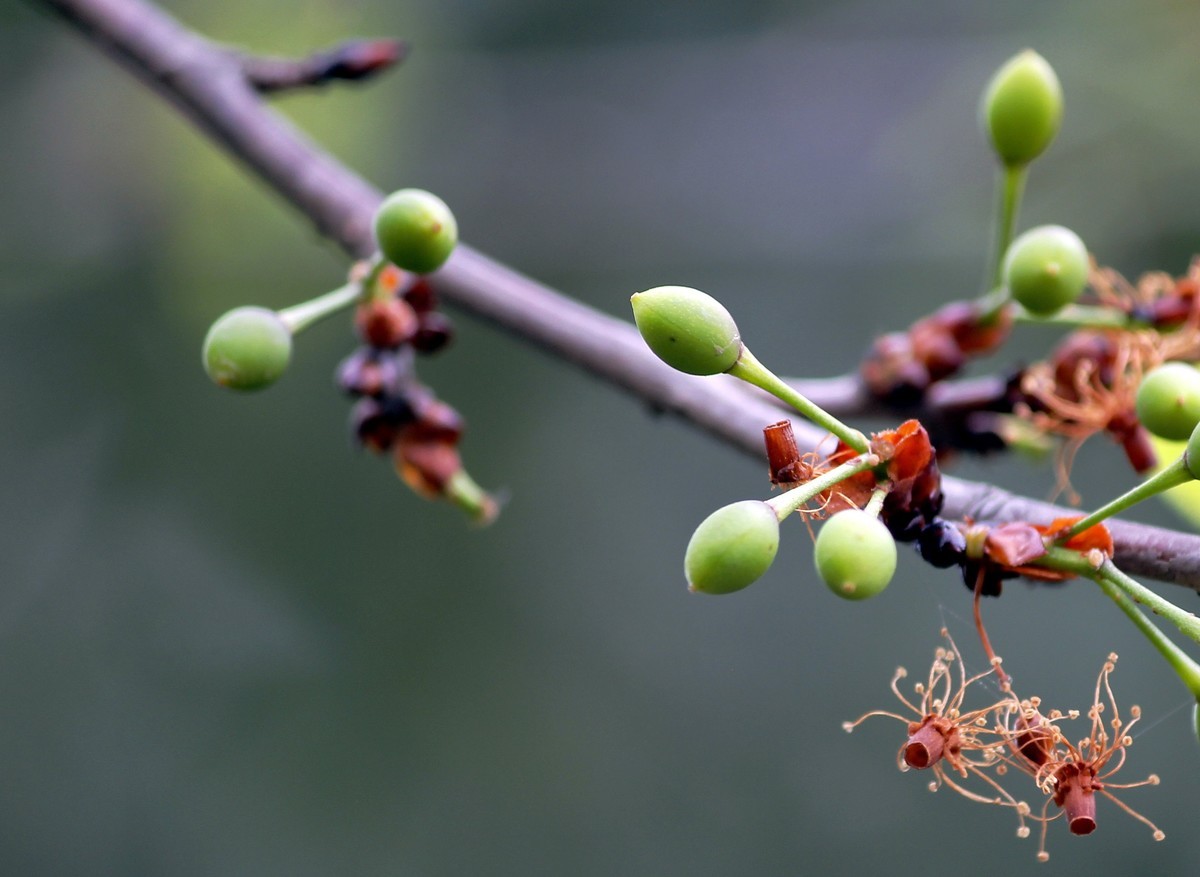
(231, 644)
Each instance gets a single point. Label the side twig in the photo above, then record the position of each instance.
(353, 60)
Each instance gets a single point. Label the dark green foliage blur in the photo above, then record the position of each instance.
(230, 644)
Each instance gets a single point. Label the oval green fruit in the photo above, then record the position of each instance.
(1191, 454)
(732, 548)
(687, 329)
(416, 230)
(1046, 268)
(855, 554)
(1022, 108)
(247, 349)
(1168, 400)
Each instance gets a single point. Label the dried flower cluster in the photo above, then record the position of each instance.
(986, 746)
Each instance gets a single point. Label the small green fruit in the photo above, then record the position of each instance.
(247, 349)
(416, 230)
(1168, 400)
(732, 547)
(1191, 454)
(687, 329)
(1046, 269)
(855, 554)
(1022, 108)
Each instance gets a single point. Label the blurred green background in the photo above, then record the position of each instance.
(230, 644)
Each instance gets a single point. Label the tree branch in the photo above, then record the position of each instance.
(210, 85)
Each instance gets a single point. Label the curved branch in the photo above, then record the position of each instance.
(209, 84)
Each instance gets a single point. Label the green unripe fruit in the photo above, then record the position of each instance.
(1022, 108)
(1168, 400)
(1046, 269)
(1191, 454)
(732, 547)
(687, 329)
(855, 554)
(247, 349)
(416, 230)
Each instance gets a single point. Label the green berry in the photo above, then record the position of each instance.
(1191, 454)
(247, 349)
(1168, 400)
(687, 329)
(732, 547)
(416, 230)
(1022, 108)
(1046, 269)
(855, 554)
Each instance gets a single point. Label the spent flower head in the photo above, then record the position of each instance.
(1071, 774)
(953, 742)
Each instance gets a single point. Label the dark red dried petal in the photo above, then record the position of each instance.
(1014, 544)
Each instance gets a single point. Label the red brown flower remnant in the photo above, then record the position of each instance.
(1089, 385)
(942, 736)
(901, 366)
(1072, 774)
(993, 554)
(911, 470)
(1157, 299)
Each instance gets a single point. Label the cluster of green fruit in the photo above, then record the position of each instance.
(249, 348)
(1042, 271)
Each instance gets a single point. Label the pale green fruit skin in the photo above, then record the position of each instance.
(732, 548)
(855, 554)
(1022, 108)
(247, 349)
(416, 230)
(1046, 269)
(687, 329)
(1168, 400)
(1191, 454)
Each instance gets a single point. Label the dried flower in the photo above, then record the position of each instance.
(954, 743)
(1071, 774)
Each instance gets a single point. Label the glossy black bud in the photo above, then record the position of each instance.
(942, 544)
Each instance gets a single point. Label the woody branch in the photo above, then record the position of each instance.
(221, 91)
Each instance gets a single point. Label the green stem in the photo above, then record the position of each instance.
(1187, 623)
(301, 316)
(1008, 204)
(464, 492)
(1185, 668)
(875, 504)
(1079, 316)
(1013, 186)
(1079, 564)
(750, 370)
(786, 503)
(1172, 476)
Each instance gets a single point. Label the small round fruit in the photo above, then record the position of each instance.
(1168, 400)
(732, 548)
(1046, 268)
(687, 329)
(855, 554)
(1191, 454)
(1022, 108)
(247, 349)
(416, 230)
